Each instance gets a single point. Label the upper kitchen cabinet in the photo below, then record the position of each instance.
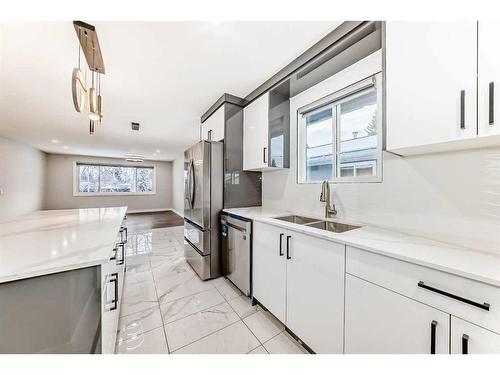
(488, 78)
(214, 120)
(266, 131)
(213, 127)
(430, 85)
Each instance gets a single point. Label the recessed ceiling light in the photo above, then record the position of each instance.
(157, 151)
(55, 140)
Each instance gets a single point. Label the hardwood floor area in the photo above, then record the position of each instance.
(139, 222)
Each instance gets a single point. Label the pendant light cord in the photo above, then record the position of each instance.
(79, 45)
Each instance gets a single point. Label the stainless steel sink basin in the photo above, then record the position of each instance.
(297, 219)
(332, 226)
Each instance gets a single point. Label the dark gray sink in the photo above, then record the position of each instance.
(332, 226)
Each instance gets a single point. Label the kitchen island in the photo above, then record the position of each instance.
(61, 276)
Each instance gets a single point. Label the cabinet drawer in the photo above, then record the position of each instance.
(404, 278)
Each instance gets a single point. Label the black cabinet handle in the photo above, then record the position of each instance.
(288, 247)
(115, 250)
(433, 336)
(491, 103)
(264, 155)
(465, 344)
(122, 258)
(462, 109)
(123, 230)
(281, 244)
(484, 305)
(115, 299)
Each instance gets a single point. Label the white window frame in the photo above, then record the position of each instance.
(333, 100)
(76, 182)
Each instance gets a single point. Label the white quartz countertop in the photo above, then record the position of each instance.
(252, 213)
(45, 242)
(472, 264)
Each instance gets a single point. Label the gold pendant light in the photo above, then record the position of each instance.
(99, 98)
(89, 44)
(93, 111)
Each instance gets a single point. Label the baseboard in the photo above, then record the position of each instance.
(177, 212)
(149, 210)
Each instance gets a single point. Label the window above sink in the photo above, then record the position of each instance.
(340, 136)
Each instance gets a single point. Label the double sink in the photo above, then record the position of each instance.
(330, 226)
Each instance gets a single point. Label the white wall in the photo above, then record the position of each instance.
(452, 197)
(22, 178)
(178, 184)
(59, 192)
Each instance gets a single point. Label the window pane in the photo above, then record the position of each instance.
(358, 134)
(114, 179)
(346, 171)
(319, 145)
(117, 179)
(144, 179)
(88, 181)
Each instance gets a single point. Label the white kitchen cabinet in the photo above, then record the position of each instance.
(256, 134)
(430, 84)
(269, 268)
(379, 321)
(468, 338)
(112, 281)
(266, 131)
(300, 280)
(488, 78)
(213, 127)
(315, 292)
(109, 306)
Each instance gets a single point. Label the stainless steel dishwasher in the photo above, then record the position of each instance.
(236, 251)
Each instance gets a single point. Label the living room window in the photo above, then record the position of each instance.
(104, 179)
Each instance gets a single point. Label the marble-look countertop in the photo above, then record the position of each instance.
(45, 242)
(472, 264)
(252, 213)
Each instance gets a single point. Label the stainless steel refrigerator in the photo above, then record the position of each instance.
(203, 202)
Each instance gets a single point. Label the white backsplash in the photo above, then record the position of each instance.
(452, 197)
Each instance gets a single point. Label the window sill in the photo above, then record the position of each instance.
(345, 180)
(76, 194)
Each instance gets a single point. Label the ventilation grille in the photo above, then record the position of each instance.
(135, 126)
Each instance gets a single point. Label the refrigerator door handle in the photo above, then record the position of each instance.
(191, 185)
(187, 183)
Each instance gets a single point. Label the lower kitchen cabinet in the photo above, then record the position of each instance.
(315, 291)
(300, 280)
(379, 321)
(269, 268)
(468, 338)
(112, 281)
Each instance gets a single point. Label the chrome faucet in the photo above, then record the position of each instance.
(325, 197)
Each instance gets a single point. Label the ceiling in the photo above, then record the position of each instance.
(164, 75)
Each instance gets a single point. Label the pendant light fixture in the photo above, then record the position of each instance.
(99, 99)
(89, 43)
(93, 115)
(78, 84)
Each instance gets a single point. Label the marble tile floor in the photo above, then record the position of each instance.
(166, 308)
